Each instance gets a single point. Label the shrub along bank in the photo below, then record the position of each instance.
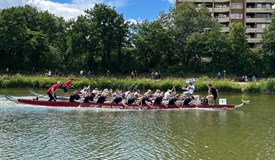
(224, 85)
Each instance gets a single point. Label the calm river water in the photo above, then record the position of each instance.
(246, 133)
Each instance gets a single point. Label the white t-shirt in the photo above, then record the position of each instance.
(167, 95)
(191, 88)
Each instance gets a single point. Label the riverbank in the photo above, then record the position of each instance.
(264, 86)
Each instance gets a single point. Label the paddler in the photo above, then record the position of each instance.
(189, 90)
(66, 85)
(212, 93)
(75, 97)
(51, 91)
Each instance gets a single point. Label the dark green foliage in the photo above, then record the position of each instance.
(269, 47)
(97, 39)
(30, 39)
(238, 59)
(176, 43)
(252, 89)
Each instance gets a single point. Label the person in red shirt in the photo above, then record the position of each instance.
(51, 91)
(67, 85)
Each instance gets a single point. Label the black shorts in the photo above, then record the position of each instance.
(65, 89)
(117, 100)
(130, 100)
(215, 97)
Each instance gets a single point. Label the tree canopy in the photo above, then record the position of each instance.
(184, 40)
(269, 46)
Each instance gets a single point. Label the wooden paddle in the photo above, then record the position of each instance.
(38, 95)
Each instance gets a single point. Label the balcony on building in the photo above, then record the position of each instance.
(260, 1)
(259, 10)
(204, 1)
(215, 1)
(225, 30)
(254, 30)
(219, 8)
(258, 20)
(254, 40)
(223, 19)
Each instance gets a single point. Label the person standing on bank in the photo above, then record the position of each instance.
(66, 86)
(51, 91)
(212, 93)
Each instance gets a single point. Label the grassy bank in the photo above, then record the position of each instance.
(225, 85)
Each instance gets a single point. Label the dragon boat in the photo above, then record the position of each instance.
(122, 106)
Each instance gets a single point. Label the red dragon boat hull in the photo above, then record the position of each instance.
(120, 106)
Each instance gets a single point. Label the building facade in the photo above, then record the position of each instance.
(255, 15)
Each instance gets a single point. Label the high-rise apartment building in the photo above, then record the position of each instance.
(255, 15)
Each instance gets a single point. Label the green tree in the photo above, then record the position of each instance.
(217, 49)
(111, 31)
(82, 44)
(99, 37)
(256, 63)
(238, 60)
(49, 40)
(152, 44)
(30, 39)
(13, 33)
(269, 47)
(191, 28)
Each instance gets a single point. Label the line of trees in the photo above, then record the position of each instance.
(185, 40)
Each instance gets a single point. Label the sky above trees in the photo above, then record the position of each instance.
(132, 10)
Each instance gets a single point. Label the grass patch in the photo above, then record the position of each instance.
(224, 85)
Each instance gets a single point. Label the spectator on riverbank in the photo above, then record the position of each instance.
(81, 73)
(89, 74)
(244, 78)
(33, 71)
(48, 73)
(56, 72)
(132, 74)
(253, 78)
(7, 70)
(152, 75)
(219, 75)
(158, 75)
(108, 73)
